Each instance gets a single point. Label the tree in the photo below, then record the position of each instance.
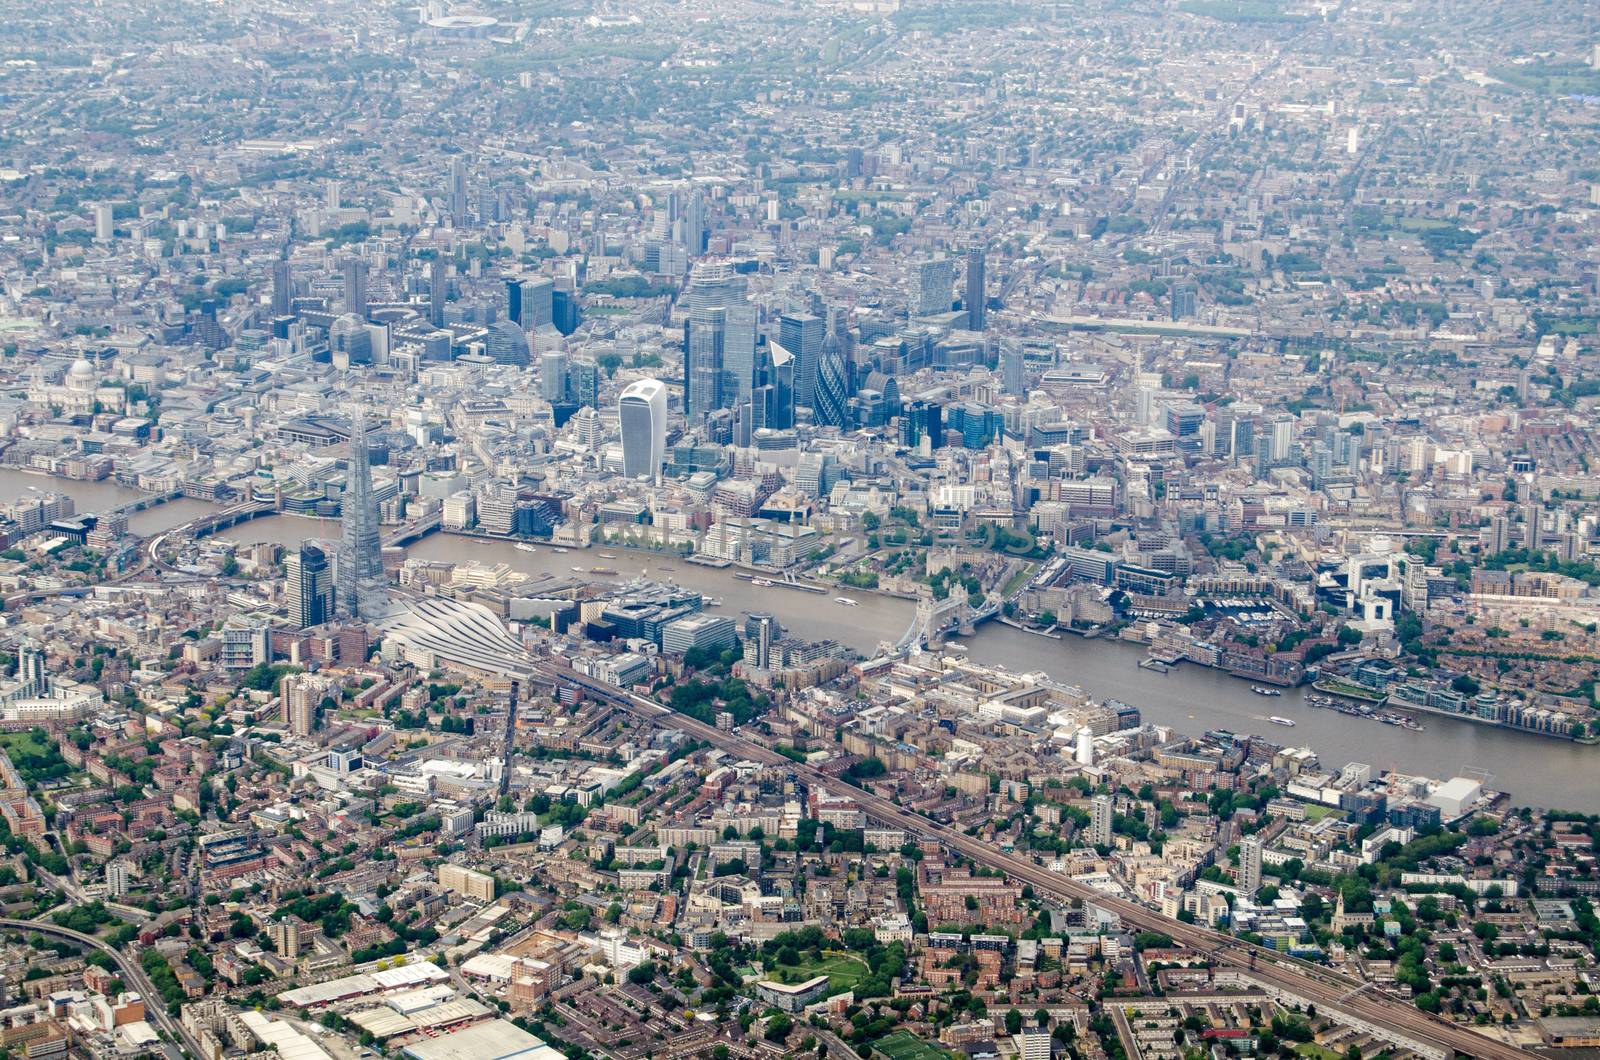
(778, 1028)
(1013, 1021)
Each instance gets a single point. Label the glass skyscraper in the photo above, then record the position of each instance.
(642, 417)
(310, 586)
(973, 300)
(801, 335)
(828, 404)
(360, 576)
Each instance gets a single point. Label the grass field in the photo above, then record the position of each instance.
(1317, 813)
(843, 972)
(1015, 581)
(26, 742)
(902, 1045)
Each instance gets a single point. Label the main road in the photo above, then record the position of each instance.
(1322, 986)
(132, 974)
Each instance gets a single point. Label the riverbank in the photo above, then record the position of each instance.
(1535, 770)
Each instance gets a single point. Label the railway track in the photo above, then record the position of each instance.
(1330, 990)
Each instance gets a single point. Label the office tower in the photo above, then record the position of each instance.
(1242, 441)
(564, 311)
(762, 403)
(714, 283)
(530, 301)
(514, 300)
(1250, 865)
(490, 201)
(349, 341)
(1183, 300)
(1530, 528)
(436, 291)
(922, 420)
(310, 587)
(583, 382)
(355, 286)
(828, 405)
(360, 575)
(665, 259)
(1100, 820)
(30, 670)
(301, 696)
(1013, 370)
(553, 376)
(738, 353)
(974, 298)
(1183, 421)
(702, 362)
(694, 223)
(332, 195)
(815, 474)
(772, 401)
(642, 417)
(931, 282)
(587, 428)
(506, 343)
(280, 288)
(760, 634)
(458, 191)
(743, 422)
(104, 222)
(801, 334)
(1281, 440)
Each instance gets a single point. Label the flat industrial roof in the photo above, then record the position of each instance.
(494, 1040)
(289, 1042)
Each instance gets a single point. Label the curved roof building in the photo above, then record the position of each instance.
(642, 415)
(432, 631)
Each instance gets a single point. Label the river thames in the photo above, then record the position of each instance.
(1535, 770)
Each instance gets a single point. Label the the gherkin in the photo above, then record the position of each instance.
(828, 404)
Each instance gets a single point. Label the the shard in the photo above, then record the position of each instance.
(360, 577)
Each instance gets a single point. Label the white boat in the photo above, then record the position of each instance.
(561, 552)
(845, 600)
(577, 570)
(763, 582)
(607, 555)
(1258, 690)
(1280, 721)
(954, 646)
(523, 546)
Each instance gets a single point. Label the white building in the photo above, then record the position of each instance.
(642, 415)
